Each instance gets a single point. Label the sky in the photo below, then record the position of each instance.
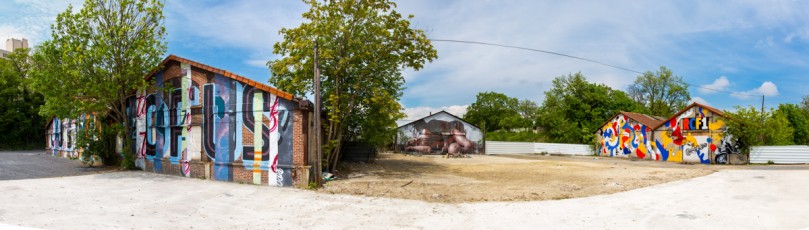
(740, 50)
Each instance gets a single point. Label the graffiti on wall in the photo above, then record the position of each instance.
(693, 137)
(624, 137)
(240, 125)
(440, 133)
(62, 134)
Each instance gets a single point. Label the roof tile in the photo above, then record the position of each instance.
(225, 73)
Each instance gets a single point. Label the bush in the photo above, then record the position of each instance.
(528, 136)
(97, 142)
(754, 128)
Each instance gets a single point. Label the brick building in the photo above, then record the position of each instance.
(198, 121)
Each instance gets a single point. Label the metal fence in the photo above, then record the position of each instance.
(791, 154)
(503, 147)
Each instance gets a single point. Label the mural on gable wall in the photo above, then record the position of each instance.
(62, 136)
(694, 136)
(440, 133)
(229, 134)
(625, 137)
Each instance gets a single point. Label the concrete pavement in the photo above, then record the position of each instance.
(732, 199)
(15, 165)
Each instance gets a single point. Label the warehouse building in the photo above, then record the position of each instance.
(203, 122)
(440, 133)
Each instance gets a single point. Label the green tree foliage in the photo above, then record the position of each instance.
(797, 118)
(493, 110)
(364, 45)
(754, 128)
(99, 56)
(662, 92)
(21, 125)
(575, 108)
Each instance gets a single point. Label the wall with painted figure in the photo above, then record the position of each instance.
(623, 136)
(440, 133)
(198, 121)
(697, 134)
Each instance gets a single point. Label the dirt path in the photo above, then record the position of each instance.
(499, 178)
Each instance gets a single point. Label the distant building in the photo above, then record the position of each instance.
(13, 44)
(440, 133)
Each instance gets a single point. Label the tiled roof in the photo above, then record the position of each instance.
(644, 119)
(225, 73)
(712, 109)
(647, 120)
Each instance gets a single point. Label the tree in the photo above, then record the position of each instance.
(805, 104)
(797, 120)
(19, 119)
(753, 127)
(529, 112)
(494, 110)
(574, 108)
(99, 56)
(363, 46)
(662, 92)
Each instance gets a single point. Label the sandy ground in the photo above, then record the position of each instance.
(502, 178)
(728, 199)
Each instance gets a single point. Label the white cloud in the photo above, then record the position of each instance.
(765, 43)
(416, 113)
(243, 24)
(720, 83)
(612, 36)
(767, 88)
(261, 63)
(699, 100)
(31, 19)
(800, 34)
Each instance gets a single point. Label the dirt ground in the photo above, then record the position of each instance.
(503, 178)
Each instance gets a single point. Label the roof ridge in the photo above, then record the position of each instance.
(224, 73)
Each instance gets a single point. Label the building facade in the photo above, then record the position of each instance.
(440, 133)
(696, 134)
(198, 121)
(13, 44)
(627, 134)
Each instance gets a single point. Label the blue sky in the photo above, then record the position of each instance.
(743, 47)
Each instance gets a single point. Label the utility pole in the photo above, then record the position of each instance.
(762, 105)
(761, 136)
(318, 143)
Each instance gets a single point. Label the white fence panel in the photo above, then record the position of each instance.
(502, 147)
(792, 154)
(565, 149)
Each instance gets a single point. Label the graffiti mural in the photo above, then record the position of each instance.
(440, 133)
(625, 137)
(695, 135)
(62, 134)
(237, 125)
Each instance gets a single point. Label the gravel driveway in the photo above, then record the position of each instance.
(16, 165)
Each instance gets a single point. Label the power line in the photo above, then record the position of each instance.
(580, 58)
